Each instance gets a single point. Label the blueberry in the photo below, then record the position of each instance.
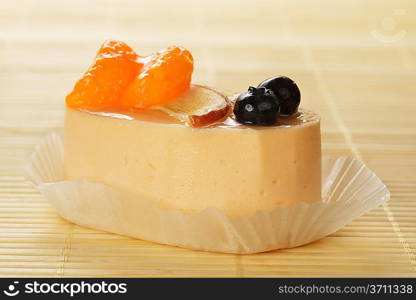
(257, 106)
(286, 91)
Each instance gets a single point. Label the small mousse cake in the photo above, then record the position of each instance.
(138, 124)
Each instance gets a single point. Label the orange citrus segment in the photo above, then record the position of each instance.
(198, 107)
(165, 76)
(114, 67)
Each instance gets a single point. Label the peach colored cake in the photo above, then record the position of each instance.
(138, 124)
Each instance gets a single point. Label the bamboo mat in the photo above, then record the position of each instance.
(354, 60)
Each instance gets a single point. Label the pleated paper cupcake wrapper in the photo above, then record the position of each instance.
(349, 190)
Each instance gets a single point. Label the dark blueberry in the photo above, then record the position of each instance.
(257, 106)
(286, 90)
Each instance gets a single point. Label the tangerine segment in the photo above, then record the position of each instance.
(114, 67)
(165, 76)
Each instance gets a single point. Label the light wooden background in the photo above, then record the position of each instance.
(355, 62)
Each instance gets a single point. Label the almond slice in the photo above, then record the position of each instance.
(200, 106)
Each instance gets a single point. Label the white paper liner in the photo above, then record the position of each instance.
(349, 190)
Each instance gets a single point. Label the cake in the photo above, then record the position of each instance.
(138, 124)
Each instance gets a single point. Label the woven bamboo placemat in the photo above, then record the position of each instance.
(355, 62)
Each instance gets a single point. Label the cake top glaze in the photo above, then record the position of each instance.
(302, 117)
